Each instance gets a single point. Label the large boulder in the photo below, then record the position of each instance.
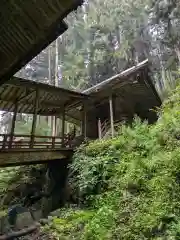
(20, 217)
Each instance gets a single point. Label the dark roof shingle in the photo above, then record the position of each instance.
(27, 27)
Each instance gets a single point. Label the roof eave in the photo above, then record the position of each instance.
(56, 29)
(123, 74)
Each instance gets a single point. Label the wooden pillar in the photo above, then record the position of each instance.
(84, 121)
(63, 125)
(111, 115)
(4, 141)
(99, 129)
(33, 129)
(56, 123)
(67, 128)
(53, 126)
(13, 125)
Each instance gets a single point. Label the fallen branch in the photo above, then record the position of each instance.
(20, 233)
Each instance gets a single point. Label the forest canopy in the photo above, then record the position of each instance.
(105, 37)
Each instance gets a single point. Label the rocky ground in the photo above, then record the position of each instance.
(30, 188)
(19, 223)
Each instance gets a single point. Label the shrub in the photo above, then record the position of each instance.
(134, 179)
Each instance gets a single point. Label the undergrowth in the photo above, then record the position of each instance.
(131, 182)
(129, 186)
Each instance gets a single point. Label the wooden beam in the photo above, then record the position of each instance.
(99, 129)
(56, 126)
(84, 121)
(46, 88)
(53, 125)
(13, 125)
(63, 125)
(45, 104)
(26, 96)
(111, 115)
(33, 129)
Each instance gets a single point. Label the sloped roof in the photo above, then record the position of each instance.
(132, 86)
(120, 77)
(51, 99)
(27, 27)
(132, 77)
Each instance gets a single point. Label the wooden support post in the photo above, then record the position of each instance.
(99, 129)
(56, 126)
(63, 126)
(53, 126)
(4, 141)
(84, 122)
(53, 141)
(111, 115)
(13, 125)
(68, 127)
(33, 129)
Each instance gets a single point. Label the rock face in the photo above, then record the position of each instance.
(54, 187)
(18, 218)
(24, 219)
(47, 189)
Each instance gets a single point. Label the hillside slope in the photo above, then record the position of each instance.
(131, 184)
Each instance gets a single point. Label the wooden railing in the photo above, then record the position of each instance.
(105, 127)
(28, 141)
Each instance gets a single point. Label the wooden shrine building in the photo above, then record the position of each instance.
(94, 111)
(118, 99)
(30, 97)
(26, 29)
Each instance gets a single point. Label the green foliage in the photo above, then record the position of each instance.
(6, 175)
(24, 127)
(139, 176)
(70, 224)
(3, 213)
(16, 183)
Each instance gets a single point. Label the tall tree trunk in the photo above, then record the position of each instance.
(55, 84)
(177, 50)
(56, 64)
(49, 64)
(49, 79)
